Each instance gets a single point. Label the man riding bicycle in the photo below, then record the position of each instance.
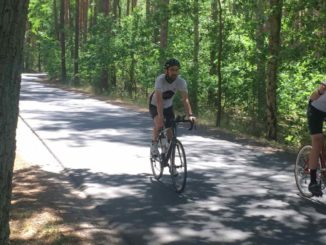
(161, 100)
(316, 114)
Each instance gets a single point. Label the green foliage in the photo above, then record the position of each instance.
(128, 47)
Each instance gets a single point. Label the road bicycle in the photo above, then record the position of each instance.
(302, 171)
(172, 155)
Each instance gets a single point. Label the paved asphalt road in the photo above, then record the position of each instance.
(237, 192)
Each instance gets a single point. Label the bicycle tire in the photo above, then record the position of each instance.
(178, 167)
(156, 163)
(301, 171)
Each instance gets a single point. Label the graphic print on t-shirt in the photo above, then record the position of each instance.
(168, 94)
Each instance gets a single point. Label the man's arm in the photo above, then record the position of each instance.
(159, 102)
(317, 93)
(186, 103)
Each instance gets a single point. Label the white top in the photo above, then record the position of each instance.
(320, 103)
(168, 90)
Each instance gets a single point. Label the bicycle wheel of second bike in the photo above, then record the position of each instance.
(301, 170)
(178, 167)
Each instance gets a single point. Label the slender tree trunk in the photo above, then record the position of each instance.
(104, 79)
(156, 22)
(55, 15)
(115, 9)
(84, 21)
(76, 53)
(39, 63)
(128, 8)
(214, 37)
(63, 42)
(259, 86)
(116, 19)
(94, 11)
(106, 7)
(148, 10)
(13, 16)
(219, 66)
(134, 4)
(194, 89)
(132, 83)
(28, 63)
(274, 47)
(164, 29)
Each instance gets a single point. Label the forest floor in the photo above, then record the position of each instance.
(46, 209)
(35, 218)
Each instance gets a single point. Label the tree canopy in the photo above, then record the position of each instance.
(250, 65)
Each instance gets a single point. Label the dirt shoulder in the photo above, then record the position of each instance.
(47, 209)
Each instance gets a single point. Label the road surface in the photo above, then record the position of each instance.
(237, 192)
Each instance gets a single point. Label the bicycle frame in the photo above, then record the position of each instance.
(172, 155)
(172, 143)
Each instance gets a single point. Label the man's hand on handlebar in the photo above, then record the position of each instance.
(192, 118)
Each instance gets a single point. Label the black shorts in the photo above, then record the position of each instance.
(315, 120)
(167, 113)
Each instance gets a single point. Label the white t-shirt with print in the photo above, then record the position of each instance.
(168, 90)
(320, 103)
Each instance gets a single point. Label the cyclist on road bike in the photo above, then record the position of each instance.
(316, 114)
(161, 100)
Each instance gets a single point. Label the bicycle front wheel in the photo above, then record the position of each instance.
(301, 170)
(178, 167)
(157, 162)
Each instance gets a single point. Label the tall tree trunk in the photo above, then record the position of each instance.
(94, 11)
(28, 62)
(116, 20)
(194, 89)
(84, 21)
(164, 29)
(134, 4)
(274, 48)
(76, 53)
(13, 16)
(104, 82)
(219, 66)
(39, 63)
(156, 21)
(148, 10)
(115, 8)
(63, 42)
(214, 37)
(128, 8)
(259, 86)
(55, 16)
(106, 7)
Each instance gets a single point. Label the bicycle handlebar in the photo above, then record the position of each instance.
(182, 119)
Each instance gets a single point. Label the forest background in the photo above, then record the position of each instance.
(250, 65)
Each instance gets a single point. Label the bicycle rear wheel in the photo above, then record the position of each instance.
(301, 170)
(178, 167)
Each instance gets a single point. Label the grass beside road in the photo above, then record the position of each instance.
(35, 217)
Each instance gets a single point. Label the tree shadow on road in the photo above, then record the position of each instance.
(236, 208)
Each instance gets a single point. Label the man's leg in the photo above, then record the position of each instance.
(155, 129)
(317, 144)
